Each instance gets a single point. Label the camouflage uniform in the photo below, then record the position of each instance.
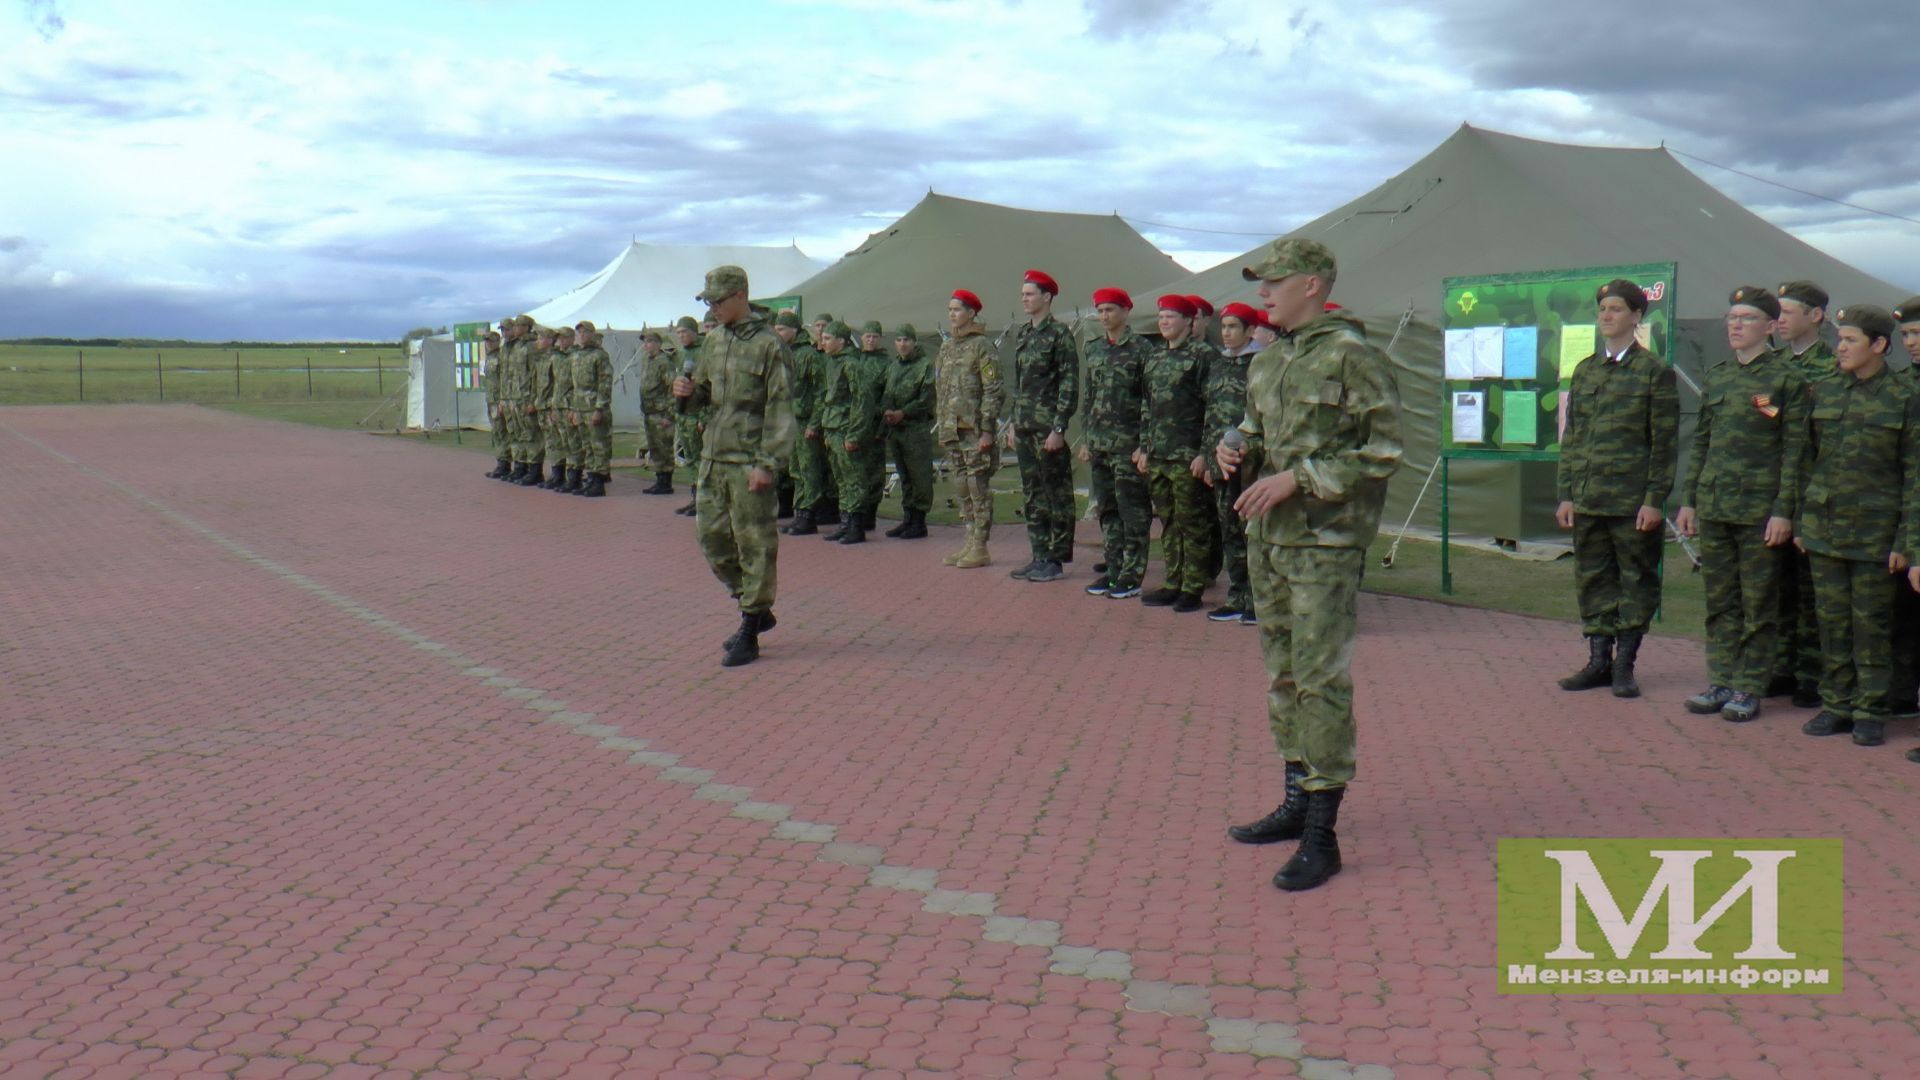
(539, 363)
(812, 482)
(501, 441)
(1325, 405)
(556, 388)
(1797, 652)
(689, 422)
(967, 402)
(656, 402)
(593, 393)
(1862, 490)
(909, 389)
(872, 368)
(848, 411)
(1617, 455)
(1743, 468)
(741, 384)
(1046, 392)
(516, 385)
(1115, 391)
(1225, 391)
(1172, 419)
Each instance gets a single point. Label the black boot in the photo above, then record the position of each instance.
(801, 525)
(848, 521)
(693, 497)
(855, 531)
(556, 476)
(869, 520)
(532, 477)
(1318, 856)
(1286, 822)
(906, 517)
(1599, 669)
(784, 502)
(764, 622)
(662, 484)
(501, 466)
(828, 513)
(916, 526)
(514, 474)
(745, 647)
(570, 482)
(596, 485)
(1624, 685)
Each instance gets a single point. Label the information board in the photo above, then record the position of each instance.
(1510, 345)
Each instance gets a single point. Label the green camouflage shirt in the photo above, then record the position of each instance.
(1046, 377)
(592, 380)
(492, 375)
(909, 389)
(656, 384)
(1175, 407)
(1744, 463)
(743, 382)
(808, 364)
(1816, 363)
(1225, 390)
(1116, 387)
(1324, 403)
(967, 390)
(849, 403)
(1623, 421)
(1863, 485)
(873, 367)
(516, 372)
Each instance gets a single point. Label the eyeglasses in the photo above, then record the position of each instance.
(1746, 320)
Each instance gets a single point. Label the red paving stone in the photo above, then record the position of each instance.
(249, 829)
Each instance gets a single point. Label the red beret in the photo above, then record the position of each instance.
(1200, 305)
(1260, 316)
(1243, 312)
(968, 299)
(1042, 279)
(1176, 303)
(1111, 295)
(1330, 306)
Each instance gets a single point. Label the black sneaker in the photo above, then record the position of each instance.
(1740, 708)
(1161, 597)
(1709, 701)
(1187, 602)
(1046, 571)
(1123, 592)
(1022, 573)
(1869, 732)
(1099, 568)
(1225, 614)
(1100, 588)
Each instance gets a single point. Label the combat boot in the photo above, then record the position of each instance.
(965, 547)
(556, 476)
(572, 482)
(1826, 723)
(1869, 732)
(1287, 821)
(532, 477)
(801, 525)
(839, 534)
(746, 643)
(973, 555)
(693, 497)
(1624, 684)
(916, 526)
(854, 531)
(596, 486)
(1318, 856)
(500, 469)
(763, 622)
(1599, 669)
(513, 475)
(662, 484)
(869, 520)
(906, 517)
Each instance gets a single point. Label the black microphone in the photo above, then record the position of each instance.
(1235, 440)
(686, 372)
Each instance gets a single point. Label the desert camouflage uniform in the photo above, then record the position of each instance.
(1623, 420)
(1115, 391)
(742, 385)
(1172, 418)
(967, 400)
(1046, 393)
(1325, 405)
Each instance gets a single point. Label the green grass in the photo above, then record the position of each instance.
(52, 375)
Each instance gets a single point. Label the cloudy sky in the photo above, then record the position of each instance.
(355, 168)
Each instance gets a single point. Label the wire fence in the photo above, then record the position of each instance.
(51, 375)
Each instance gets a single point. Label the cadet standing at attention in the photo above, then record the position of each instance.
(848, 415)
(967, 401)
(690, 421)
(539, 359)
(809, 457)
(827, 510)
(516, 377)
(492, 358)
(873, 363)
(1616, 468)
(1323, 436)
(1796, 668)
(906, 414)
(1170, 454)
(592, 411)
(1046, 392)
(1225, 390)
(1115, 391)
(1857, 521)
(656, 402)
(562, 454)
(1739, 495)
(741, 383)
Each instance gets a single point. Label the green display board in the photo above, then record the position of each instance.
(780, 303)
(1510, 345)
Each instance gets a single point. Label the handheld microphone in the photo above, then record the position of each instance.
(1235, 440)
(686, 372)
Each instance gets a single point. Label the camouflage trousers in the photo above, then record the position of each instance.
(911, 447)
(1854, 600)
(559, 438)
(688, 437)
(529, 444)
(1185, 510)
(1797, 647)
(502, 440)
(659, 436)
(1742, 576)
(1233, 546)
(849, 470)
(973, 470)
(1616, 574)
(594, 441)
(1126, 516)
(737, 535)
(812, 479)
(1046, 482)
(1305, 598)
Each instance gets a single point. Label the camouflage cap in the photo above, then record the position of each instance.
(587, 326)
(1908, 311)
(687, 322)
(906, 330)
(524, 320)
(872, 326)
(1803, 292)
(1757, 298)
(563, 332)
(722, 282)
(1285, 258)
(653, 336)
(838, 329)
(1870, 319)
(787, 317)
(823, 317)
(543, 331)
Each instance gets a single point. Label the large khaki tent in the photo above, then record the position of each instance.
(1487, 203)
(654, 284)
(906, 272)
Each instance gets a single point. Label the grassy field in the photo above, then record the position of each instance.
(50, 375)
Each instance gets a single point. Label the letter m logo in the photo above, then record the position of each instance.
(1675, 880)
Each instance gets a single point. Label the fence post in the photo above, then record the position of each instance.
(309, 376)
(380, 374)
(80, 364)
(236, 373)
(159, 376)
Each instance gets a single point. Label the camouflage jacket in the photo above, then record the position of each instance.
(1744, 462)
(873, 367)
(1623, 423)
(808, 368)
(516, 371)
(491, 375)
(1046, 377)
(1816, 363)
(1174, 410)
(592, 381)
(1116, 391)
(742, 381)
(909, 388)
(1225, 391)
(656, 384)
(849, 402)
(967, 391)
(1863, 484)
(1324, 404)
(559, 379)
(696, 412)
